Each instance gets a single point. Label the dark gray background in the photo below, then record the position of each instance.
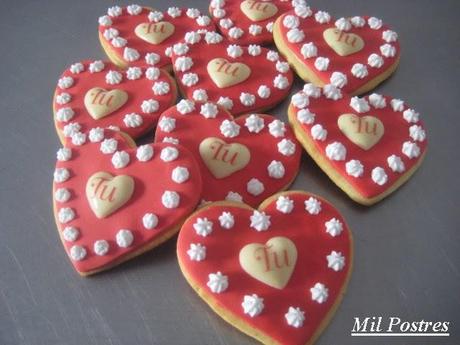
(407, 247)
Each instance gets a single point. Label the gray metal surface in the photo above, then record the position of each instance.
(407, 247)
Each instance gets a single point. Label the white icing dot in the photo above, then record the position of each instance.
(280, 82)
(247, 99)
(377, 101)
(133, 73)
(149, 106)
(286, 147)
(152, 73)
(62, 195)
(255, 50)
(101, 247)
(113, 77)
(235, 32)
(61, 175)
(354, 168)
(318, 132)
(134, 9)
(120, 159)
(388, 50)
(65, 82)
(64, 114)
(71, 129)
(295, 35)
(359, 104)
(359, 71)
(295, 317)
(167, 124)
(170, 199)
(254, 123)
(306, 117)
(197, 252)
(132, 120)
(334, 227)
(96, 66)
(396, 164)
(264, 91)
(277, 128)
(338, 79)
(397, 105)
(124, 238)
(284, 204)
(169, 154)
(70, 234)
(322, 17)
(336, 151)
(209, 110)
(109, 146)
(203, 227)
(379, 176)
(255, 187)
(410, 149)
(226, 220)
(225, 102)
(332, 92)
(217, 282)
(417, 133)
(63, 98)
(411, 116)
(185, 106)
(183, 63)
(200, 95)
(64, 154)
(322, 63)
(335, 261)
(131, 54)
(276, 170)
(150, 221)
(77, 253)
(78, 138)
(160, 88)
(260, 221)
(309, 50)
(252, 305)
(229, 129)
(152, 58)
(233, 196)
(65, 215)
(343, 24)
(190, 79)
(234, 50)
(144, 153)
(313, 206)
(180, 174)
(96, 134)
(389, 36)
(319, 293)
(375, 61)
(374, 23)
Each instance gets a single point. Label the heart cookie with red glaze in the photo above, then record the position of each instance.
(136, 35)
(368, 146)
(113, 201)
(244, 159)
(98, 94)
(277, 273)
(248, 22)
(355, 54)
(241, 79)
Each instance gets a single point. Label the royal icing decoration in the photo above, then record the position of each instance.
(367, 145)
(100, 96)
(351, 54)
(107, 211)
(250, 21)
(241, 79)
(281, 284)
(145, 36)
(254, 155)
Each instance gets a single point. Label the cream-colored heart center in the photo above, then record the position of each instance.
(343, 43)
(225, 74)
(364, 131)
(100, 102)
(154, 33)
(106, 193)
(258, 10)
(271, 263)
(223, 159)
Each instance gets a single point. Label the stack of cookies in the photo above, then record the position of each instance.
(273, 263)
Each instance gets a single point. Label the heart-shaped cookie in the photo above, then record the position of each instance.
(113, 201)
(244, 159)
(277, 273)
(98, 94)
(241, 79)
(250, 21)
(136, 35)
(355, 54)
(368, 146)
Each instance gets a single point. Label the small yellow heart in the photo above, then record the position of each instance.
(100, 102)
(271, 263)
(223, 159)
(258, 10)
(343, 43)
(106, 193)
(225, 74)
(364, 131)
(154, 33)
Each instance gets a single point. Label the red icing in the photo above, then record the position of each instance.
(88, 159)
(138, 90)
(240, 20)
(396, 132)
(191, 129)
(126, 23)
(263, 72)
(313, 243)
(314, 33)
